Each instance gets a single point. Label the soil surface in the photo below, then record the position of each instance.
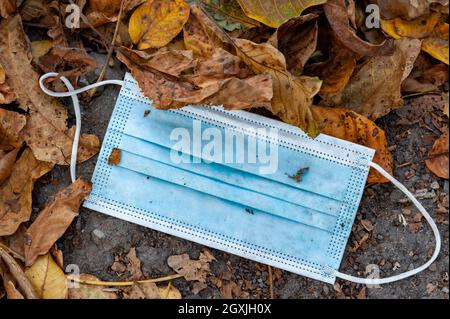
(94, 239)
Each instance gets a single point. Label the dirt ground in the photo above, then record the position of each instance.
(391, 244)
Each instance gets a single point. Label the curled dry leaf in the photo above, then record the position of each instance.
(337, 15)
(297, 40)
(68, 62)
(375, 88)
(201, 34)
(169, 292)
(437, 161)
(11, 291)
(350, 126)
(15, 272)
(406, 9)
(52, 222)
(156, 22)
(167, 91)
(147, 290)
(15, 192)
(47, 278)
(7, 160)
(276, 12)
(196, 270)
(114, 157)
(7, 7)
(293, 96)
(83, 291)
(46, 130)
(134, 265)
(11, 123)
(6, 93)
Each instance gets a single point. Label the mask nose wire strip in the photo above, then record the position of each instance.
(76, 106)
(429, 219)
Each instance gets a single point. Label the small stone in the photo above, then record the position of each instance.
(445, 289)
(326, 290)
(433, 267)
(435, 185)
(380, 237)
(411, 267)
(446, 187)
(98, 233)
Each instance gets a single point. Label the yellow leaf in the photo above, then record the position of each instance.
(350, 126)
(418, 28)
(156, 22)
(292, 96)
(47, 278)
(275, 12)
(169, 292)
(437, 44)
(40, 47)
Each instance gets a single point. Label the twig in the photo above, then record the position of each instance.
(122, 283)
(420, 94)
(110, 50)
(271, 282)
(12, 252)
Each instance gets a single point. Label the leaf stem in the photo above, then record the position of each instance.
(122, 283)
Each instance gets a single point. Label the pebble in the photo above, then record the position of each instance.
(446, 187)
(435, 185)
(380, 237)
(97, 237)
(432, 267)
(411, 266)
(445, 290)
(326, 290)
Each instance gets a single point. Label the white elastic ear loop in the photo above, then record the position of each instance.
(380, 281)
(76, 106)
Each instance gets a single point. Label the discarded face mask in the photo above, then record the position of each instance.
(281, 198)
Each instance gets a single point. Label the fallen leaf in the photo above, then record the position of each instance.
(114, 157)
(7, 7)
(445, 99)
(53, 221)
(68, 62)
(15, 192)
(375, 88)
(40, 48)
(22, 282)
(47, 278)
(12, 292)
(147, 290)
(198, 286)
(172, 62)
(15, 242)
(169, 92)
(230, 289)
(437, 44)
(336, 71)
(431, 288)
(276, 12)
(337, 15)
(201, 34)
(6, 93)
(418, 28)
(407, 9)
(297, 40)
(437, 161)
(46, 130)
(229, 14)
(90, 291)
(57, 255)
(134, 265)
(33, 9)
(7, 161)
(348, 125)
(169, 292)
(156, 22)
(361, 294)
(196, 270)
(11, 124)
(99, 12)
(415, 227)
(292, 96)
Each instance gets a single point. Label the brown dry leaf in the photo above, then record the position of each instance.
(15, 192)
(437, 161)
(169, 292)
(134, 265)
(406, 9)
(57, 255)
(167, 91)
(156, 22)
(275, 12)
(297, 40)
(40, 48)
(201, 34)
(292, 96)
(367, 224)
(68, 62)
(361, 294)
(336, 71)
(196, 270)
(230, 289)
(6, 93)
(16, 241)
(12, 292)
(7, 7)
(350, 126)
(53, 221)
(418, 28)
(375, 88)
(114, 157)
(229, 14)
(90, 291)
(47, 278)
(337, 15)
(11, 124)
(172, 62)
(147, 290)
(9, 264)
(33, 9)
(437, 44)
(7, 160)
(445, 99)
(99, 12)
(46, 130)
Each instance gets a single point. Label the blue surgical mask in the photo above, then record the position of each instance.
(235, 181)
